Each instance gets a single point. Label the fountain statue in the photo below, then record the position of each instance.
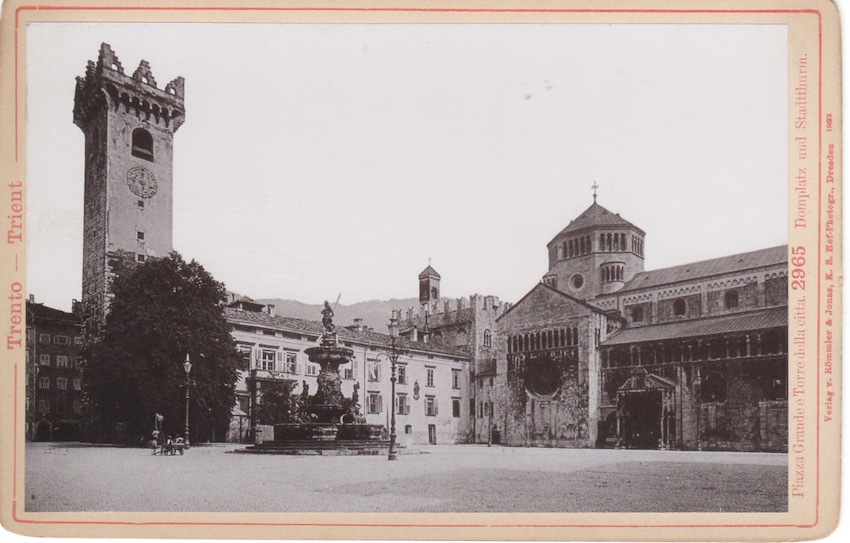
(328, 422)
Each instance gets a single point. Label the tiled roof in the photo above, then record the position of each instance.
(316, 328)
(594, 216)
(429, 272)
(237, 300)
(565, 295)
(707, 268)
(738, 322)
(42, 312)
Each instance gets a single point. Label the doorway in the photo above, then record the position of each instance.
(432, 434)
(44, 431)
(641, 419)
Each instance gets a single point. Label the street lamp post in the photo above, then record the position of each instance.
(255, 421)
(698, 394)
(393, 329)
(489, 419)
(187, 367)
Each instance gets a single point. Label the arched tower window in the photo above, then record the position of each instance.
(679, 307)
(142, 144)
(731, 299)
(601, 242)
(488, 338)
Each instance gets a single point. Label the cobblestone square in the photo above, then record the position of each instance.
(450, 478)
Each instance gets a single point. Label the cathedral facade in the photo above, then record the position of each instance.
(602, 353)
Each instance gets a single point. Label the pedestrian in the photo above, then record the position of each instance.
(154, 443)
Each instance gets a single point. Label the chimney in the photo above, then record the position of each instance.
(32, 298)
(270, 308)
(358, 324)
(76, 308)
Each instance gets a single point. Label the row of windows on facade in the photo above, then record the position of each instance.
(485, 409)
(62, 361)
(374, 375)
(287, 362)
(547, 339)
(611, 272)
(769, 343)
(680, 306)
(375, 404)
(59, 339)
(61, 406)
(712, 386)
(44, 382)
(608, 242)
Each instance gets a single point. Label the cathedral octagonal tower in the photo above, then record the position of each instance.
(129, 126)
(597, 253)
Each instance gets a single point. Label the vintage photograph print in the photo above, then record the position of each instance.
(542, 271)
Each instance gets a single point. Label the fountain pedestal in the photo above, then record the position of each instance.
(329, 426)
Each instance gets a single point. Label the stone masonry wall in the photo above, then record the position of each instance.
(693, 309)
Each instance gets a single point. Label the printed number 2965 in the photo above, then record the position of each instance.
(798, 274)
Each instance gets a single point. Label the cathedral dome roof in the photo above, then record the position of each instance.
(596, 216)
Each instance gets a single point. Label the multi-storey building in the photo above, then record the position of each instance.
(602, 352)
(432, 392)
(467, 324)
(54, 386)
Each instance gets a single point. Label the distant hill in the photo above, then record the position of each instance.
(375, 313)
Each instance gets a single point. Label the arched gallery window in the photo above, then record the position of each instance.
(679, 307)
(731, 299)
(713, 388)
(637, 314)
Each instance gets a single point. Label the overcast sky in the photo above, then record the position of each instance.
(325, 159)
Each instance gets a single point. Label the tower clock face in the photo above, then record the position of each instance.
(141, 181)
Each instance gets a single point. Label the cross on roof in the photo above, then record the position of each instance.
(594, 187)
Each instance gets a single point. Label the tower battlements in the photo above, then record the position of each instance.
(446, 312)
(106, 84)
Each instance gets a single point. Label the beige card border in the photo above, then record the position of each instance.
(814, 439)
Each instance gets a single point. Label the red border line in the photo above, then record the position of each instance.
(445, 10)
(818, 292)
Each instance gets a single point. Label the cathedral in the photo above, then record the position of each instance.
(602, 353)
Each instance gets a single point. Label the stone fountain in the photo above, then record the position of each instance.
(328, 422)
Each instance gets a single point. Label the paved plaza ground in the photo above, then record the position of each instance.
(450, 478)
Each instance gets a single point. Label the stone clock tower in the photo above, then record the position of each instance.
(129, 125)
